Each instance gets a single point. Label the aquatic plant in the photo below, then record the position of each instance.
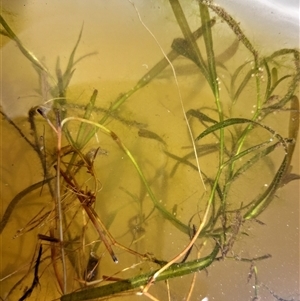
(75, 231)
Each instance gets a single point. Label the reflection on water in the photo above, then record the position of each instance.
(129, 188)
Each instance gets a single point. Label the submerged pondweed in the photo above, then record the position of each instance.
(164, 179)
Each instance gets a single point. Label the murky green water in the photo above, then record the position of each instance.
(147, 189)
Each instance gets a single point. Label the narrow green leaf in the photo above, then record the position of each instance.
(200, 116)
(293, 126)
(242, 85)
(14, 202)
(175, 270)
(28, 54)
(190, 40)
(68, 72)
(233, 121)
(254, 159)
(258, 206)
(232, 24)
(207, 35)
(85, 133)
(234, 79)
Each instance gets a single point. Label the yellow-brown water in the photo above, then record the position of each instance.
(125, 52)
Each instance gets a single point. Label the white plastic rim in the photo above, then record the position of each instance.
(267, 21)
